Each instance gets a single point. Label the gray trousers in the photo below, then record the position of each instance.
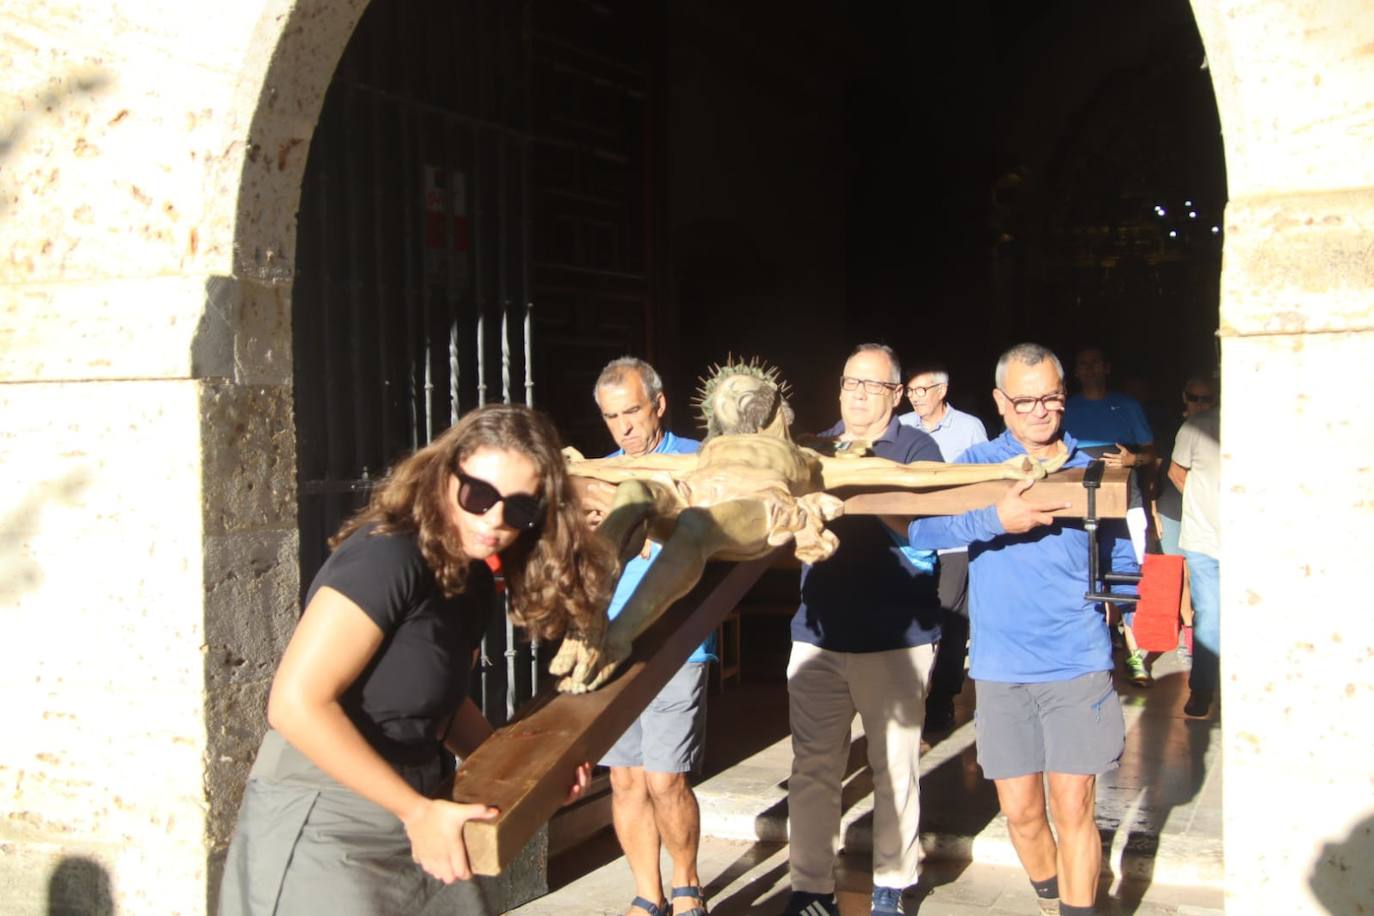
(306, 845)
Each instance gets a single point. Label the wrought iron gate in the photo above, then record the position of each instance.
(472, 159)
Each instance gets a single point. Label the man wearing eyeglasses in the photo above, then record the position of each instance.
(653, 806)
(1041, 653)
(927, 388)
(863, 640)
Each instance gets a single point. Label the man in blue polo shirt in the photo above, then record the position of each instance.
(1041, 653)
(927, 388)
(652, 803)
(863, 640)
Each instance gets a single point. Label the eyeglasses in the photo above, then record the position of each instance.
(478, 497)
(920, 391)
(872, 386)
(1051, 402)
(1199, 398)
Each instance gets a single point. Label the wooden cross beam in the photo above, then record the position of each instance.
(525, 769)
(1060, 487)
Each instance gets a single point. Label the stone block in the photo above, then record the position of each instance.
(1298, 651)
(249, 458)
(1299, 263)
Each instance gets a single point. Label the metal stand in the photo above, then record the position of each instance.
(1099, 581)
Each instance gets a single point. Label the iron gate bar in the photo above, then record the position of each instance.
(380, 272)
(355, 294)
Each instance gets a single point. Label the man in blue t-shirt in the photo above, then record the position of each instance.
(1041, 654)
(652, 803)
(863, 640)
(1112, 426)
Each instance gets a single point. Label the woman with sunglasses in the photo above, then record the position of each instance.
(342, 813)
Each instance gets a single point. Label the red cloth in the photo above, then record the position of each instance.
(1161, 593)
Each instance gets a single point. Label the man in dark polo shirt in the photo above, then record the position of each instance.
(863, 641)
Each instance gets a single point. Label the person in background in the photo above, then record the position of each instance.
(1199, 394)
(1112, 426)
(927, 388)
(1195, 469)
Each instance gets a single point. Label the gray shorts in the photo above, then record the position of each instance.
(668, 736)
(1072, 726)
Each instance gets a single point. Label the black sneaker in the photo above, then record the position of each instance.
(803, 903)
(1199, 704)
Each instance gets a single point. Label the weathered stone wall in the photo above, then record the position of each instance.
(150, 162)
(1293, 85)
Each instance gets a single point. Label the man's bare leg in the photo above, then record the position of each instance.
(679, 829)
(1072, 804)
(636, 827)
(1023, 802)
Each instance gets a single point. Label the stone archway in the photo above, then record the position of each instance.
(151, 169)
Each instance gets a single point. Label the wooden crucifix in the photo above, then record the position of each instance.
(750, 491)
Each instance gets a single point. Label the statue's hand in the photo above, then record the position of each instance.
(813, 541)
(571, 454)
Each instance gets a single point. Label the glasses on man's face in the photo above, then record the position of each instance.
(872, 386)
(477, 496)
(1192, 398)
(920, 391)
(1051, 402)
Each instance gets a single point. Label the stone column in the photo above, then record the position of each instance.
(1293, 83)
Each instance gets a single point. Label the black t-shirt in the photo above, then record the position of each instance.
(419, 676)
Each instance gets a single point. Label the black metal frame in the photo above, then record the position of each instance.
(1100, 580)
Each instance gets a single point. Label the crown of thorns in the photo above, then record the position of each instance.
(753, 366)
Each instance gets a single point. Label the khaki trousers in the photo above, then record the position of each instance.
(825, 690)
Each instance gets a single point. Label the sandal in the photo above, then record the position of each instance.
(661, 909)
(691, 891)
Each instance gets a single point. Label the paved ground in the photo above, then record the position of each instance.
(1159, 814)
(751, 878)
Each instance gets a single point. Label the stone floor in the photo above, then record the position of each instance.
(1159, 815)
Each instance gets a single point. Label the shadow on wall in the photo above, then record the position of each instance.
(45, 101)
(80, 887)
(1341, 878)
(19, 573)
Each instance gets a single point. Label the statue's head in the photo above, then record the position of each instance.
(743, 397)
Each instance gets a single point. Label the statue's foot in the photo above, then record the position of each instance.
(590, 667)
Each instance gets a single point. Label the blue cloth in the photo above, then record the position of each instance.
(955, 432)
(1204, 576)
(1117, 418)
(1029, 620)
(637, 567)
(869, 597)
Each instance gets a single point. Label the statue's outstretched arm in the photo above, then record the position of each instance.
(880, 472)
(629, 467)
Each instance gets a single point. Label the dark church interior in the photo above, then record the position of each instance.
(686, 181)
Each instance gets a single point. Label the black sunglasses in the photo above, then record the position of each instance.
(477, 496)
(1199, 398)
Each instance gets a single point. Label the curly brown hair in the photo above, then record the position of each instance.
(560, 575)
